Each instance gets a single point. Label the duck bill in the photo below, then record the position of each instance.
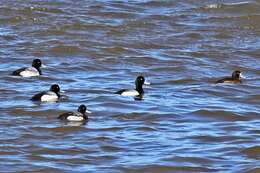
(147, 83)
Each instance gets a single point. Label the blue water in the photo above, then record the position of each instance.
(185, 122)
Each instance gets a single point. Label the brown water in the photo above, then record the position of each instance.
(185, 123)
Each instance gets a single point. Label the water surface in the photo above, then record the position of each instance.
(185, 123)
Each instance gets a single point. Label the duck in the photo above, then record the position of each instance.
(235, 78)
(30, 71)
(80, 115)
(138, 91)
(53, 95)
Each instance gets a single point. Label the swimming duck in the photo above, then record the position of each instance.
(76, 116)
(138, 91)
(235, 78)
(30, 71)
(52, 95)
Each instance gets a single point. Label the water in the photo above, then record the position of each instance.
(185, 123)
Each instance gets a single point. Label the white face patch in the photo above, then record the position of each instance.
(29, 72)
(75, 118)
(130, 93)
(49, 97)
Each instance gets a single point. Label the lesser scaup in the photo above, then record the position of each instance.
(52, 95)
(30, 71)
(76, 116)
(138, 91)
(235, 78)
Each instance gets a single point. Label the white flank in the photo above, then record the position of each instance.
(29, 72)
(75, 123)
(49, 97)
(130, 93)
(75, 118)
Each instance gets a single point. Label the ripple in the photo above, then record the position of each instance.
(65, 50)
(185, 123)
(164, 168)
(222, 115)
